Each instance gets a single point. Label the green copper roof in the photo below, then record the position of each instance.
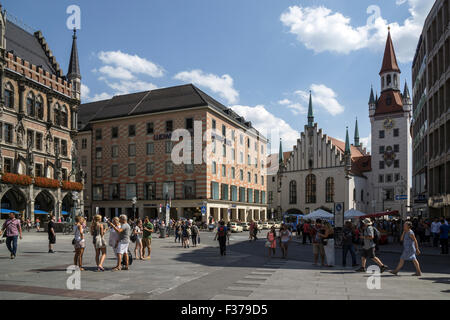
(347, 143)
(356, 134)
(280, 153)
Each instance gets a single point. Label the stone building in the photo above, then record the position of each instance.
(127, 142)
(38, 120)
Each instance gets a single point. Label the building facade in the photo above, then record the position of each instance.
(134, 141)
(431, 116)
(38, 119)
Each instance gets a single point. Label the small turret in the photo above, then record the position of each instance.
(74, 74)
(407, 104)
(372, 105)
(356, 134)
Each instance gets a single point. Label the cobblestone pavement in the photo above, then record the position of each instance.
(201, 273)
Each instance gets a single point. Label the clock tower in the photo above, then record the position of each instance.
(390, 118)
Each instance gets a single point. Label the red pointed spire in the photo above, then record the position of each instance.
(389, 59)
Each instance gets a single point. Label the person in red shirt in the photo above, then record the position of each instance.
(13, 230)
(307, 231)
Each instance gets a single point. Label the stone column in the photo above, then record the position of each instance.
(21, 96)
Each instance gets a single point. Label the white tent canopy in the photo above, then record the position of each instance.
(352, 213)
(319, 214)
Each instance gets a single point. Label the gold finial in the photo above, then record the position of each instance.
(389, 28)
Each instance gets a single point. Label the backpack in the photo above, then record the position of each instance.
(376, 235)
(130, 259)
(221, 231)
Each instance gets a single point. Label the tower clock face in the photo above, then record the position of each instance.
(388, 124)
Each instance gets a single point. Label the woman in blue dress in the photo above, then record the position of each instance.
(410, 249)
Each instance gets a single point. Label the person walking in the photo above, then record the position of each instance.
(443, 236)
(138, 232)
(79, 242)
(255, 231)
(194, 234)
(51, 234)
(272, 241)
(348, 237)
(368, 251)
(285, 238)
(221, 236)
(12, 230)
(228, 232)
(28, 224)
(113, 235)
(307, 231)
(410, 249)
(124, 232)
(328, 243)
(185, 234)
(178, 231)
(38, 224)
(317, 243)
(98, 237)
(147, 228)
(250, 231)
(435, 230)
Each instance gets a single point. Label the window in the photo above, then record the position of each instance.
(150, 191)
(310, 183)
(224, 131)
(362, 195)
(233, 154)
(396, 164)
(39, 172)
(329, 189)
(169, 146)
(132, 150)
(256, 178)
(189, 168)
(224, 150)
(215, 190)
(381, 165)
(114, 170)
(241, 158)
(292, 192)
(169, 167)
(56, 145)
(97, 192)
(130, 191)
(241, 175)
(132, 169)
(396, 148)
(38, 141)
(150, 128)
(114, 191)
(233, 135)
(189, 123)
(397, 177)
(249, 177)
(64, 117)
(150, 148)
(256, 196)
(389, 178)
(168, 190)
(150, 168)
(248, 142)
(234, 196)
(256, 162)
(381, 149)
(9, 95)
(241, 139)
(8, 132)
(389, 194)
(30, 104)
(250, 195)
(213, 167)
(169, 126)
(39, 107)
(64, 147)
(214, 124)
(114, 151)
(114, 132)
(262, 180)
(381, 134)
(396, 132)
(98, 172)
(131, 130)
(262, 149)
(241, 194)
(224, 191)
(263, 197)
(213, 145)
(84, 161)
(84, 143)
(98, 134)
(380, 178)
(233, 173)
(98, 153)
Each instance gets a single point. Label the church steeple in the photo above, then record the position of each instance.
(347, 142)
(280, 154)
(356, 134)
(74, 74)
(310, 112)
(390, 72)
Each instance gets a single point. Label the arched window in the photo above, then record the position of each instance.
(310, 188)
(329, 189)
(40, 107)
(30, 104)
(395, 81)
(9, 95)
(64, 117)
(292, 192)
(388, 80)
(57, 115)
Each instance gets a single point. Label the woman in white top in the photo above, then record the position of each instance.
(113, 235)
(328, 237)
(138, 232)
(79, 242)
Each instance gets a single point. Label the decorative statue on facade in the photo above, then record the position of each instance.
(48, 142)
(20, 132)
(58, 175)
(30, 157)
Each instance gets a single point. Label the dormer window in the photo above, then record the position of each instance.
(388, 80)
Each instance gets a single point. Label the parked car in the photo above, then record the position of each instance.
(271, 224)
(277, 224)
(265, 225)
(260, 225)
(245, 226)
(235, 227)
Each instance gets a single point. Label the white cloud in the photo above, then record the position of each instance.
(320, 29)
(132, 63)
(269, 126)
(323, 97)
(101, 96)
(366, 142)
(85, 95)
(297, 108)
(285, 102)
(222, 85)
(124, 87)
(116, 72)
(85, 92)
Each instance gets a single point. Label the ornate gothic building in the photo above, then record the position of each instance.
(38, 120)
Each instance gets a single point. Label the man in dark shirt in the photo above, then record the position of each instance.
(347, 245)
(51, 233)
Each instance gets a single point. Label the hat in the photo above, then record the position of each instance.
(367, 221)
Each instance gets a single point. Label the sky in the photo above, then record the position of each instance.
(259, 57)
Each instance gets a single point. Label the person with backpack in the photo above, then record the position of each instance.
(348, 238)
(221, 236)
(194, 234)
(185, 234)
(370, 236)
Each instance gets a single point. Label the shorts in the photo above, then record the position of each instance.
(122, 247)
(368, 253)
(147, 242)
(51, 239)
(318, 249)
(80, 244)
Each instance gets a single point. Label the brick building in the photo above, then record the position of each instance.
(126, 143)
(38, 112)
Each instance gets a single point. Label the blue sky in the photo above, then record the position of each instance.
(260, 57)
